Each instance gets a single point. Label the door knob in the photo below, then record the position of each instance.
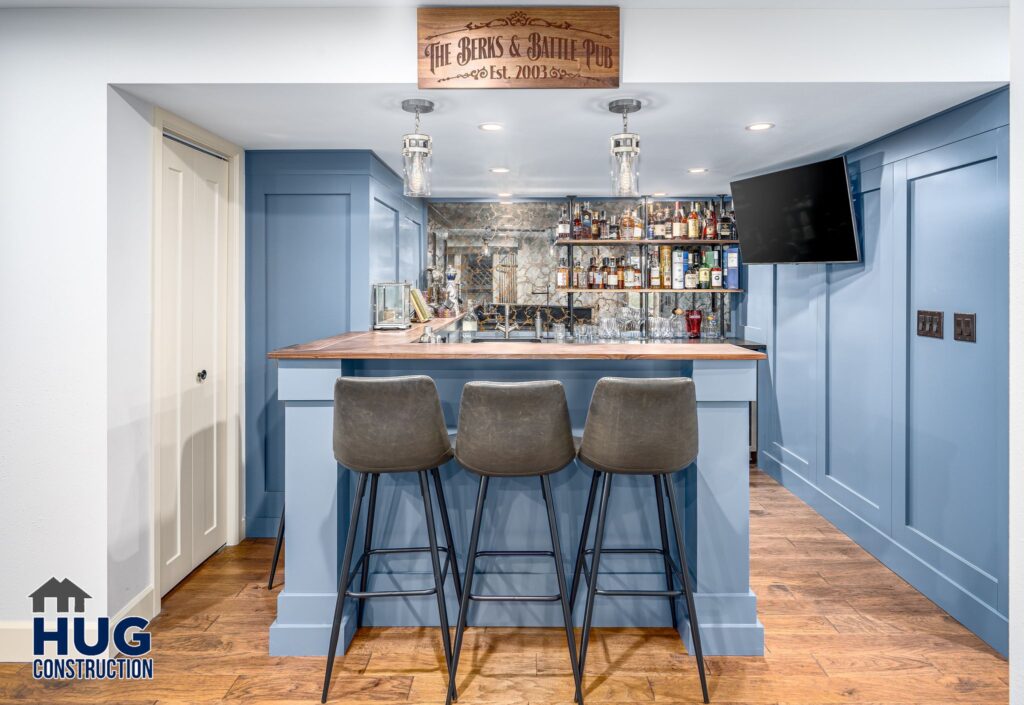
(201, 377)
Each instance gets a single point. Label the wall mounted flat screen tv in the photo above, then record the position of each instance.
(804, 214)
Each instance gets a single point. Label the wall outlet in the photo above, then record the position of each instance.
(965, 327)
(929, 324)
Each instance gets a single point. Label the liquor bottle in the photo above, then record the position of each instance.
(628, 276)
(716, 277)
(595, 226)
(613, 276)
(638, 273)
(691, 277)
(726, 228)
(661, 227)
(587, 221)
(563, 224)
(710, 223)
(602, 277)
(577, 223)
(666, 266)
(579, 279)
(562, 277)
(704, 275)
(678, 224)
(678, 268)
(693, 223)
(654, 270)
(626, 226)
(638, 226)
(592, 274)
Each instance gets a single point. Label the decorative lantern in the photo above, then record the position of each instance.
(416, 151)
(625, 151)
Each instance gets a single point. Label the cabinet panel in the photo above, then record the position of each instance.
(383, 242)
(859, 464)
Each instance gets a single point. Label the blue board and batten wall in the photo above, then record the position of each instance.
(321, 225)
(899, 440)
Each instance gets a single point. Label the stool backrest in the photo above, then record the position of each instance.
(641, 425)
(514, 428)
(389, 424)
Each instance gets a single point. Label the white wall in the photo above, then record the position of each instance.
(129, 306)
(57, 282)
(1016, 498)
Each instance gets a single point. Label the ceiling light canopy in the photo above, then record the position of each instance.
(759, 126)
(625, 151)
(491, 126)
(416, 151)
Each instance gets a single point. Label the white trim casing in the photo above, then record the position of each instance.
(164, 121)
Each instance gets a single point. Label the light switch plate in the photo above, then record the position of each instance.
(965, 327)
(929, 324)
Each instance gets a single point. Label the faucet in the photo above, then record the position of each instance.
(507, 326)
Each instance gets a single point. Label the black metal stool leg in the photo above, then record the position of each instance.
(556, 548)
(664, 547)
(447, 526)
(588, 614)
(687, 590)
(277, 550)
(346, 566)
(371, 511)
(435, 562)
(467, 588)
(578, 569)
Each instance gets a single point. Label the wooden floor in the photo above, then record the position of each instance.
(840, 628)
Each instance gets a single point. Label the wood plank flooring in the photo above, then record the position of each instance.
(840, 628)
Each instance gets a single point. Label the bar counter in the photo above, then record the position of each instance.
(713, 491)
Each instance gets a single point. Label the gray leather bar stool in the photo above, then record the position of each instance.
(518, 429)
(639, 427)
(383, 426)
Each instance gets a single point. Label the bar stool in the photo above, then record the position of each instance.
(639, 427)
(518, 429)
(382, 426)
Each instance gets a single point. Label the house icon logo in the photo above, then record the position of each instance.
(92, 639)
(63, 591)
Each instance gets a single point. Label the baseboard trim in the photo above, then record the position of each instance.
(963, 606)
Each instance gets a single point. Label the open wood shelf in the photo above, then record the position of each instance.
(626, 243)
(650, 291)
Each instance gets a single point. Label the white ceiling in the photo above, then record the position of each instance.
(556, 141)
(638, 4)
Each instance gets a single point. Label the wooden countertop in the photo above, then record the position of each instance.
(402, 344)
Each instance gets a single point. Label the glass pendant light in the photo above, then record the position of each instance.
(416, 151)
(625, 151)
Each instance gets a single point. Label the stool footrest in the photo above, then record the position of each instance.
(390, 593)
(544, 554)
(515, 598)
(639, 593)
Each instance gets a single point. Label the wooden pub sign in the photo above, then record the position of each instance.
(518, 47)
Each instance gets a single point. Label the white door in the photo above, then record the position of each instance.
(191, 336)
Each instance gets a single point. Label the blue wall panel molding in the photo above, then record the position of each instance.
(902, 441)
(308, 246)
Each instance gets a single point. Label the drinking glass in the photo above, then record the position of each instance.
(559, 332)
(693, 321)
(711, 325)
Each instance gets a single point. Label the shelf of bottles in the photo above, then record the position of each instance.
(683, 246)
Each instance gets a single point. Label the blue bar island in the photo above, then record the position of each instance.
(713, 493)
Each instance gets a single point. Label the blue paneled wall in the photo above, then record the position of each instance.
(899, 440)
(320, 227)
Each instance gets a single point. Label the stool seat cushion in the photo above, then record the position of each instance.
(389, 424)
(514, 429)
(641, 426)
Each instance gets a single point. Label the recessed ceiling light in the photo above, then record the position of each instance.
(504, 195)
(697, 170)
(658, 193)
(758, 126)
(505, 203)
(499, 169)
(491, 126)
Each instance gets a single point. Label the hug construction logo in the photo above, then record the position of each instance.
(92, 662)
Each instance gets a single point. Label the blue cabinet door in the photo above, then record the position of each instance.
(299, 231)
(950, 486)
